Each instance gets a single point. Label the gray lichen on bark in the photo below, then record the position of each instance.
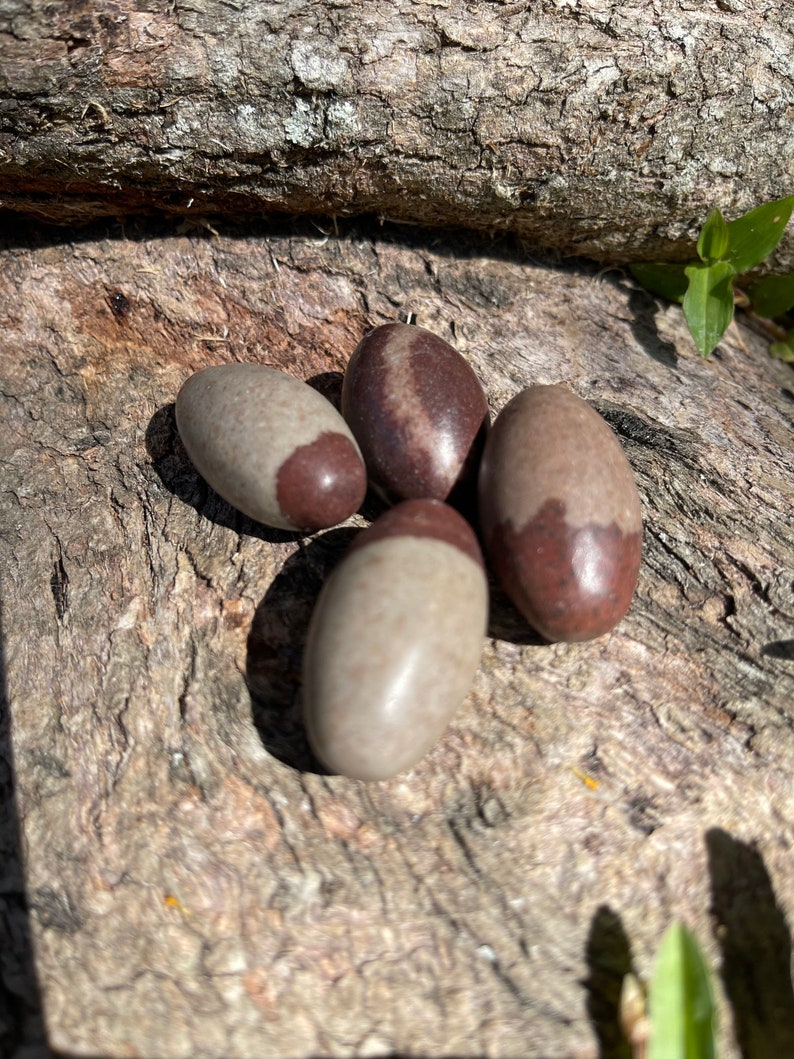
(591, 127)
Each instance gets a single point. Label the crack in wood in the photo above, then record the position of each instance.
(59, 583)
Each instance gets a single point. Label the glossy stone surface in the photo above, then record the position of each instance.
(272, 446)
(418, 412)
(395, 641)
(560, 514)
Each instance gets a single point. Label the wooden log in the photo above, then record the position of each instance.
(195, 886)
(602, 128)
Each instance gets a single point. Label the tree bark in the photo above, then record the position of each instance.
(195, 887)
(602, 128)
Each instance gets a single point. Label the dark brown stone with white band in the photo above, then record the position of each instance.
(394, 641)
(560, 514)
(272, 446)
(418, 412)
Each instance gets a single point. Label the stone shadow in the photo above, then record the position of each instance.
(329, 384)
(275, 647)
(505, 620)
(178, 475)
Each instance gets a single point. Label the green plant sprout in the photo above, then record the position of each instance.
(676, 1019)
(708, 288)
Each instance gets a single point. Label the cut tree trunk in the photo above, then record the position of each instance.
(600, 128)
(196, 887)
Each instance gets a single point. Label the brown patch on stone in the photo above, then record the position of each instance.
(321, 484)
(571, 584)
(423, 518)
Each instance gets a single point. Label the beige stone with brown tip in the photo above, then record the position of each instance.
(395, 641)
(560, 514)
(273, 447)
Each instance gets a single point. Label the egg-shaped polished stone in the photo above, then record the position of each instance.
(560, 514)
(272, 446)
(418, 412)
(395, 641)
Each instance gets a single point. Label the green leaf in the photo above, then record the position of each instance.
(772, 296)
(680, 1000)
(658, 277)
(714, 238)
(784, 350)
(708, 303)
(755, 235)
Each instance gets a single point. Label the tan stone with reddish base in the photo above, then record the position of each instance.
(560, 514)
(272, 446)
(394, 641)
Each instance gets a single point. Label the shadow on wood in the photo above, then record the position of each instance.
(642, 304)
(181, 478)
(779, 649)
(275, 647)
(608, 956)
(751, 930)
(20, 1005)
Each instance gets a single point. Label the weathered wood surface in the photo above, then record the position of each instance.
(604, 128)
(195, 887)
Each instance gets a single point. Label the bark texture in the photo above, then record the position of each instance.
(603, 128)
(196, 888)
